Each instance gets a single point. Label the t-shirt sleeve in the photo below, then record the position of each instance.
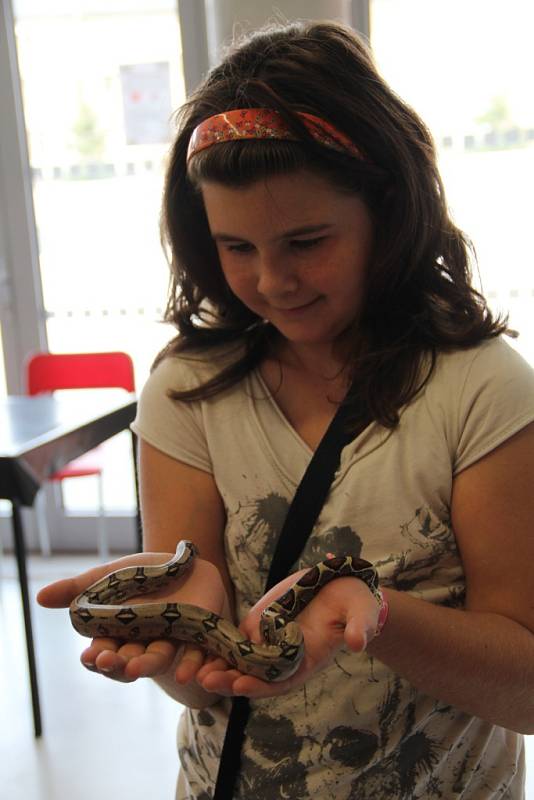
(174, 427)
(496, 400)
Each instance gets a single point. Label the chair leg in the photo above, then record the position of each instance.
(57, 487)
(42, 527)
(103, 545)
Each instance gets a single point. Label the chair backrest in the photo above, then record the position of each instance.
(46, 372)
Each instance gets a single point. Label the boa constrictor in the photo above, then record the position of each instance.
(101, 611)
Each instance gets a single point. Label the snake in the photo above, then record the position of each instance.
(101, 610)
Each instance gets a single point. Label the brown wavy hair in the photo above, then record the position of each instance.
(418, 298)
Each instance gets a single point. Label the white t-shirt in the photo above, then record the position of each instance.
(355, 731)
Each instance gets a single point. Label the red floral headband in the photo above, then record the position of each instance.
(265, 123)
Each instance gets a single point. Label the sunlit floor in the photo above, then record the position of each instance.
(100, 738)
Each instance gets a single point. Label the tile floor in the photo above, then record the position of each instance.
(100, 739)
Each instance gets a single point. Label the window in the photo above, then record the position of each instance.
(100, 82)
(466, 68)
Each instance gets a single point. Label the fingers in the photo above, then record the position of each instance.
(130, 661)
(360, 627)
(103, 656)
(98, 646)
(61, 593)
(156, 660)
(218, 677)
(356, 636)
(255, 689)
(191, 660)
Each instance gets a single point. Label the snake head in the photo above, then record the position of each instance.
(278, 631)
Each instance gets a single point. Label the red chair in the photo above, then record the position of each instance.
(49, 372)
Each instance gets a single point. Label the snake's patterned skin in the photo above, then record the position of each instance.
(101, 611)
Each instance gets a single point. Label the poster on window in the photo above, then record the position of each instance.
(146, 95)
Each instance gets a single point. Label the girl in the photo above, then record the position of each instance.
(313, 264)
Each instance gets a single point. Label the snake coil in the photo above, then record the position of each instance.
(101, 611)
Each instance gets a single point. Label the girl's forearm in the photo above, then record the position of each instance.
(482, 663)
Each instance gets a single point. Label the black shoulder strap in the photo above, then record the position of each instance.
(305, 508)
(309, 498)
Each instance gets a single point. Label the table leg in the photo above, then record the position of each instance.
(20, 552)
(138, 523)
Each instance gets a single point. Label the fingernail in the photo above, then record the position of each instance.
(106, 669)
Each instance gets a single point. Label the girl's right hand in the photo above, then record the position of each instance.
(127, 661)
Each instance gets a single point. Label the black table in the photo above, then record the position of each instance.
(38, 436)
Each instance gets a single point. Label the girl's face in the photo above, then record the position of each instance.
(295, 250)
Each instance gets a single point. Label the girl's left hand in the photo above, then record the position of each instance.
(343, 613)
(124, 660)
